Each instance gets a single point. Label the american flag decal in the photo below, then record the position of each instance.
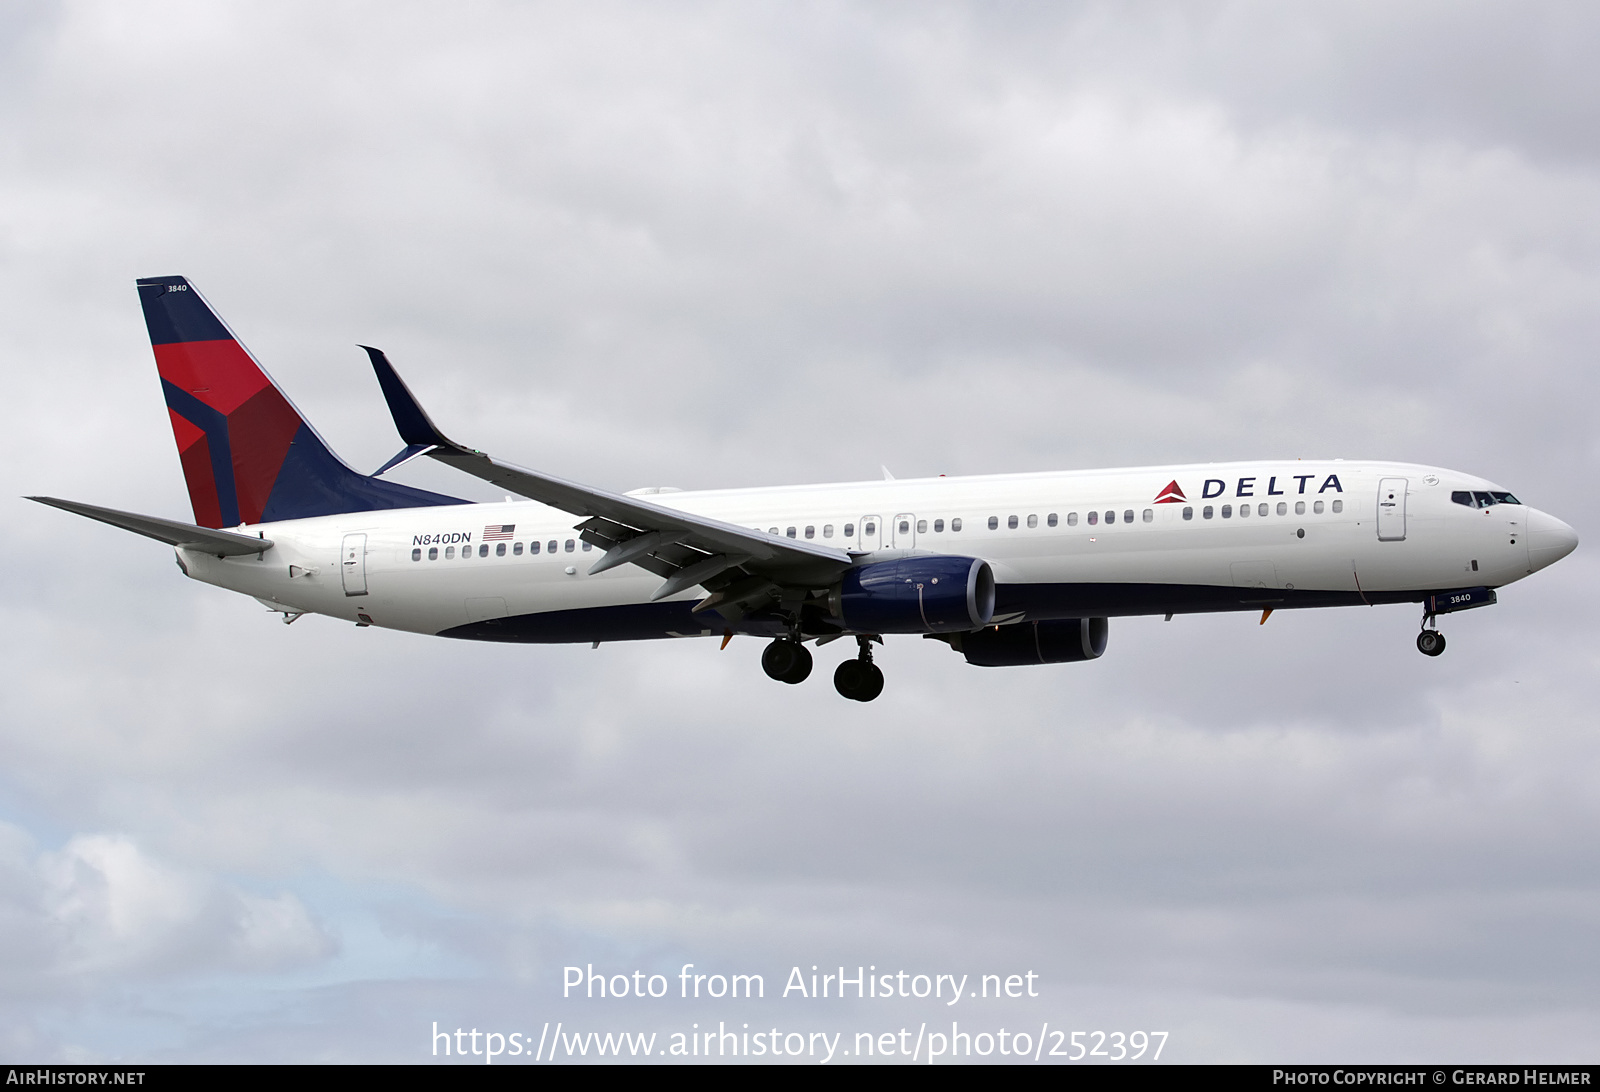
(498, 531)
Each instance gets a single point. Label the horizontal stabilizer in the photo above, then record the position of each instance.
(169, 531)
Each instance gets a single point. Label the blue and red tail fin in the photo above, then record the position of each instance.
(248, 456)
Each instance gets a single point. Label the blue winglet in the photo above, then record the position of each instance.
(409, 417)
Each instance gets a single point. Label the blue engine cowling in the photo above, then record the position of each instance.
(915, 595)
(1055, 642)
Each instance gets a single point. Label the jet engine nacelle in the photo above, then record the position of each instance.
(1054, 642)
(915, 595)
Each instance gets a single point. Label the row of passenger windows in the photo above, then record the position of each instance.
(499, 549)
(869, 528)
(1264, 509)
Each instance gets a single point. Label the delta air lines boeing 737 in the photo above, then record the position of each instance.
(1006, 569)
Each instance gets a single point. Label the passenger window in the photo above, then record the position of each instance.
(955, 524)
(1149, 515)
(587, 546)
(1461, 496)
(1205, 513)
(849, 530)
(1244, 510)
(772, 530)
(790, 532)
(433, 553)
(1227, 511)
(811, 531)
(1094, 518)
(1338, 506)
(1283, 508)
(869, 529)
(483, 550)
(1050, 520)
(1127, 516)
(533, 547)
(994, 523)
(1299, 508)
(416, 555)
(1072, 519)
(449, 552)
(1188, 513)
(1316, 508)
(922, 526)
(1033, 521)
(500, 549)
(570, 545)
(938, 526)
(905, 527)
(1261, 509)
(1111, 517)
(516, 549)
(1011, 523)
(552, 547)
(827, 530)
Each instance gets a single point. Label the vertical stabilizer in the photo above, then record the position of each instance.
(248, 456)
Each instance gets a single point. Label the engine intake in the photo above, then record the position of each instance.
(1054, 642)
(915, 595)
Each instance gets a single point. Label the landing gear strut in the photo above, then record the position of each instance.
(786, 660)
(859, 679)
(1430, 642)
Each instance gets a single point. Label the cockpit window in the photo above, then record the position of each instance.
(1482, 499)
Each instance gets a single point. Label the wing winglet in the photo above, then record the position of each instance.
(173, 533)
(416, 428)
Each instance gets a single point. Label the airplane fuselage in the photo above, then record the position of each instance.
(1238, 536)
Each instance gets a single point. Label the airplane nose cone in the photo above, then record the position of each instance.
(1549, 540)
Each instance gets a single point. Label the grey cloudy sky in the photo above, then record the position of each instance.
(710, 245)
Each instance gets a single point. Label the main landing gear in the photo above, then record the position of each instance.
(786, 660)
(789, 661)
(859, 679)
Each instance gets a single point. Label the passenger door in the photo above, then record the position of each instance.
(353, 565)
(1392, 510)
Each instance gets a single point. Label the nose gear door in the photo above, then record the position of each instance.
(1392, 510)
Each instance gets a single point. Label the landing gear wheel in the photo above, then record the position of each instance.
(858, 680)
(1430, 642)
(786, 661)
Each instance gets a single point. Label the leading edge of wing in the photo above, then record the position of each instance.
(172, 532)
(764, 553)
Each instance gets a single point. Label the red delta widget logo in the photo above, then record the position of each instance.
(1246, 487)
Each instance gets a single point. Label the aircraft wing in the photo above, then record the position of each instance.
(684, 548)
(173, 533)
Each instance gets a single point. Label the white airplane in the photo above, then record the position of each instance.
(1007, 569)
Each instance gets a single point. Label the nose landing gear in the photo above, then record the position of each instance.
(1430, 642)
(859, 679)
